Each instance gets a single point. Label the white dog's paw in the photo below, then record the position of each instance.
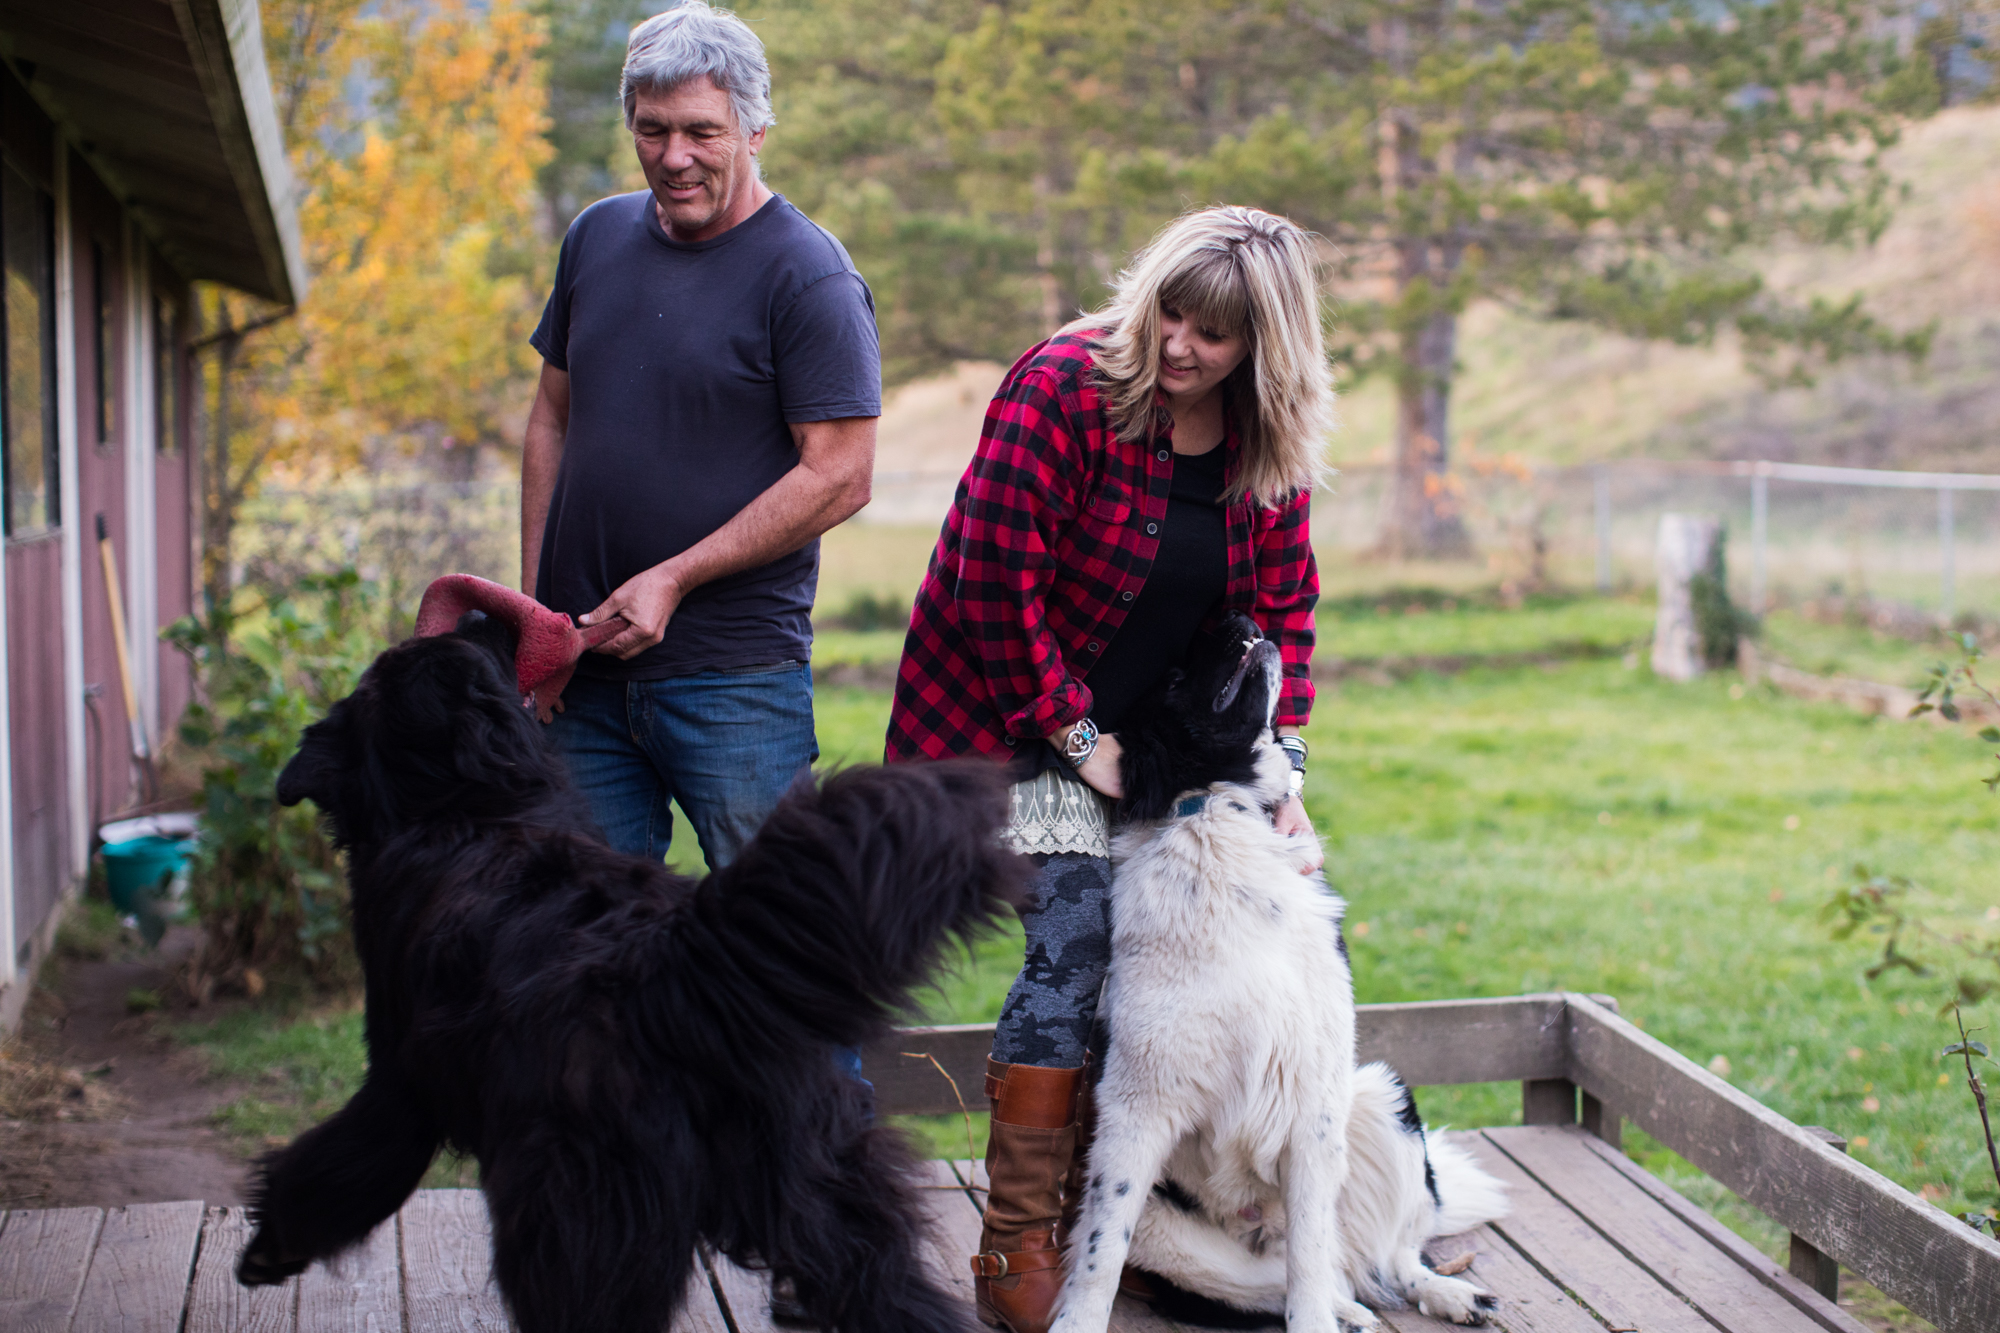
(1352, 1316)
(1449, 1298)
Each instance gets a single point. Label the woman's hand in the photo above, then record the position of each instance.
(1100, 771)
(1291, 818)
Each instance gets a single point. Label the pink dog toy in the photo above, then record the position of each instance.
(550, 642)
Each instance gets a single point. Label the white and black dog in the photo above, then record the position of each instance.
(1239, 1154)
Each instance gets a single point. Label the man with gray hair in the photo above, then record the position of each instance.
(706, 410)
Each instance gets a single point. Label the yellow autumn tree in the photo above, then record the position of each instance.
(415, 128)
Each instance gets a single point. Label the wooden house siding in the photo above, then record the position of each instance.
(36, 745)
(174, 498)
(148, 128)
(102, 466)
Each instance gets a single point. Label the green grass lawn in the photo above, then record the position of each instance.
(1850, 650)
(1426, 624)
(1581, 826)
(1442, 625)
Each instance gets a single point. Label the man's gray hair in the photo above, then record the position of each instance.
(692, 41)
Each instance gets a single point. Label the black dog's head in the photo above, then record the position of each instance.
(435, 725)
(1205, 723)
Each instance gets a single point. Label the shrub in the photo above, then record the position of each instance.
(1721, 624)
(265, 883)
(870, 610)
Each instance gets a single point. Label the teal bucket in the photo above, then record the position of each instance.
(140, 868)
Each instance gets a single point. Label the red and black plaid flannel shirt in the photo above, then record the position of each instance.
(1048, 542)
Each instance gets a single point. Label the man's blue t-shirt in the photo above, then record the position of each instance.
(686, 364)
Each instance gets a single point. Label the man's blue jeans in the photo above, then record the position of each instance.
(725, 744)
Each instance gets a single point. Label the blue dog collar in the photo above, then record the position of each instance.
(1191, 805)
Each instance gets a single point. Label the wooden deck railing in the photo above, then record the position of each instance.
(1578, 1062)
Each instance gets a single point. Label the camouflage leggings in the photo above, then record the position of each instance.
(1048, 1014)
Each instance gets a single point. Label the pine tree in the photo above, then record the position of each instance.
(1575, 161)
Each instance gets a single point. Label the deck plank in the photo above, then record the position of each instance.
(43, 1258)
(699, 1311)
(1767, 1270)
(745, 1293)
(217, 1302)
(1529, 1302)
(1571, 1251)
(447, 1254)
(360, 1292)
(139, 1275)
(953, 1224)
(1680, 1257)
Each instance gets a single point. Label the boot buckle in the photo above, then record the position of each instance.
(989, 1264)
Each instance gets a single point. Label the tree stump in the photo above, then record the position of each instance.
(1687, 547)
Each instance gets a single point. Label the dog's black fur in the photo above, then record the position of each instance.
(638, 1060)
(1201, 724)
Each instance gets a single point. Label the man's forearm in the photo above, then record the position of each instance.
(798, 507)
(541, 459)
(831, 481)
(535, 492)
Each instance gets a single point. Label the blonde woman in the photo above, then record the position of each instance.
(1138, 474)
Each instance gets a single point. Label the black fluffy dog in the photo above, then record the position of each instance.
(638, 1060)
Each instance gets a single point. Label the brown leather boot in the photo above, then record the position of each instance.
(1018, 1270)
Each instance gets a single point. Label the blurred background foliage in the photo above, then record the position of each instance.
(991, 166)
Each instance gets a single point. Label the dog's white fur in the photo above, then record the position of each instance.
(1231, 1069)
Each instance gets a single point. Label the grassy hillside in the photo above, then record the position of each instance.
(1564, 393)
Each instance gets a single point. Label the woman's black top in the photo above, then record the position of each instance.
(1189, 575)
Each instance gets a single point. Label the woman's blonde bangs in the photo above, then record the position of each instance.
(1212, 292)
(1233, 271)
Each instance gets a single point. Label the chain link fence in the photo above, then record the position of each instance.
(1925, 542)
(1925, 546)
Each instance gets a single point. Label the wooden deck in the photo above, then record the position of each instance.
(1594, 1244)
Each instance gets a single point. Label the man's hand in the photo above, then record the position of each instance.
(647, 600)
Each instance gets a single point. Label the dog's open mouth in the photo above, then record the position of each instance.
(1254, 651)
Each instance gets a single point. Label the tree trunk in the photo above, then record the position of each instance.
(1425, 519)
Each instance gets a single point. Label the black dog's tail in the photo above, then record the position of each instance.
(845, 900)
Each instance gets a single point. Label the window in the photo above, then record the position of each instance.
(104, 341)
(166, 375)
(28, 354)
